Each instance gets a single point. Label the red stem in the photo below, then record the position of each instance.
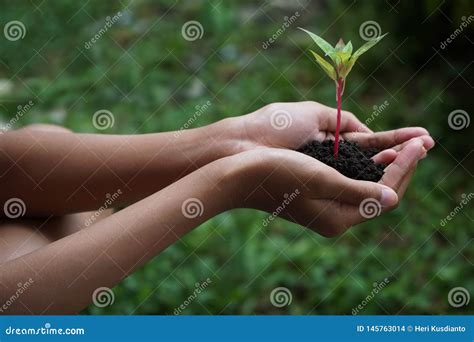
(338, 124)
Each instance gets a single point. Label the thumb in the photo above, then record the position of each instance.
(350, 191)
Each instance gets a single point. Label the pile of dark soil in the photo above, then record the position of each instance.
(353, 161)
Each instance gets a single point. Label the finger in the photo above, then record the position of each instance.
(349, 122)
(428, 143)
(386, 139)
(405, 181)
(385, 157)
(330, 136)
(407, 178)
(389, 155)
(405, 163)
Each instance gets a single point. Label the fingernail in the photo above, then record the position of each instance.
(429, 143)
(419, 141)
(388, 197)
(424, 153)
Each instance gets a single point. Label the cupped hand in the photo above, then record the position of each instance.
(293, 124)
(301, 189)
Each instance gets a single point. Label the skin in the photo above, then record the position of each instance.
(59, 174)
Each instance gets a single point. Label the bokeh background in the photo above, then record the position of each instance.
(151, 79)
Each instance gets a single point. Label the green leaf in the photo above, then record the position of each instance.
(327, 67)
(340, 45)
(348, 48)
(324, 45)
(366, 47)
(342, 57)
(347, 68)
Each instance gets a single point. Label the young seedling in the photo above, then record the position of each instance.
(342, 61)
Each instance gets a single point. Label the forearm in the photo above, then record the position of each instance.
(58, 173)
(66, 272)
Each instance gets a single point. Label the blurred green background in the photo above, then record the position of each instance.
(151, 79)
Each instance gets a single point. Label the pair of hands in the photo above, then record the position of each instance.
(268, 175)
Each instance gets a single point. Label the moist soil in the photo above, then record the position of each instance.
(352, 161)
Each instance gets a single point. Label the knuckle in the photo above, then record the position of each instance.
(372, 140)
(272, 107)
(348, 114)
(312, 103)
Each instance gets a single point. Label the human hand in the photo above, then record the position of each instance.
(291, 125)
(303, 190)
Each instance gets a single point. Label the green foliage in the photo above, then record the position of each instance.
(165, 77)
(324, 45)
(341, 55)
(364, 48)
(328, 68)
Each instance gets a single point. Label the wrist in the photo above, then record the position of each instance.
(239, 176)
(228, 179)
(232, 135)
(203, 145)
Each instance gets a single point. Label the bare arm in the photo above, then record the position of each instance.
(59, 172)
(66, 272)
